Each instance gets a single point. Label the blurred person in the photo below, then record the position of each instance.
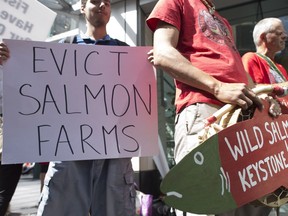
(269, 37)
(195, 45)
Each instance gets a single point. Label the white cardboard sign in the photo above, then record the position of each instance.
(25, 20)
(78, 102)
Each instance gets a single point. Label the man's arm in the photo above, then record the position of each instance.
(166, 57)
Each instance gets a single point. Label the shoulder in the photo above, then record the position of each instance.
(119, 42)
(249, 57)
(168, 11)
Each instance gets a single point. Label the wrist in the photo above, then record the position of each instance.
(215, 88)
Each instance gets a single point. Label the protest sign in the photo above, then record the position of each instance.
(25, 20)
(76, 102)
(240, 164)
(255, 157)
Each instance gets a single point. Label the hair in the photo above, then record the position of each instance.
(264, 26)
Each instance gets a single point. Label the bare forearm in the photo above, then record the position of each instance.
(167, 57)
(173, 63)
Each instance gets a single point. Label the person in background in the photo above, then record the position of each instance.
(195, 45)
(269, 38)
(98, 187)
(92, 187)
(9, 173)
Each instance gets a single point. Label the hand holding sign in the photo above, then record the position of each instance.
(78, 106)
(4, 53)
(238, 165)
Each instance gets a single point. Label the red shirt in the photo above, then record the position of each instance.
(261, 73)
(259, 69)
(206, 41)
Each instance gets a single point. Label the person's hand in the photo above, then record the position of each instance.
(275, 108)
(4, 53)
(237, 94)
(151, 56)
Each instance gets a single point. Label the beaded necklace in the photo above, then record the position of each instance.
(272, 65)
(210, 6)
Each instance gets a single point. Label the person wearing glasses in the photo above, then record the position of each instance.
(269, 37)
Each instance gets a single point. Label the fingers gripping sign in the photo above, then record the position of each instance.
(237, 94)
(4, 53)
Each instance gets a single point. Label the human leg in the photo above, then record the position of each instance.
(114, 191)
(9, 178)
(67, 189)
(101, 187)
(189, 123)
(188, 126)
